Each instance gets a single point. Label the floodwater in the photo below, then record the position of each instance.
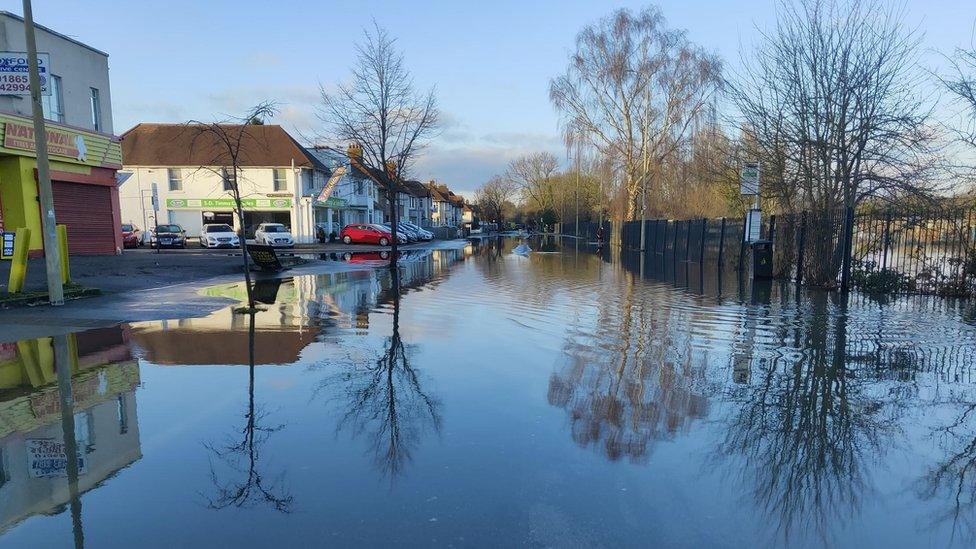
(554, 399)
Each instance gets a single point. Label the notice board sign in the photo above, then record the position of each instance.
(753, 225)
(15, 75)
(749, 179)
(46, 459)
(264, 257)
(7, 245)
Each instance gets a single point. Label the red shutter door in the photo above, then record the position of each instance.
(87, 212)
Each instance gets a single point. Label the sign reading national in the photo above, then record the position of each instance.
(15, 75)
(59, 143)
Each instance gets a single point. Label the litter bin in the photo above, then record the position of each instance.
(762, 259)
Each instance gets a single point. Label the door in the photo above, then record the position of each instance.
(86, 211)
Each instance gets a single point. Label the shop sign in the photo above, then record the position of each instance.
(332, 202)
(15, 73)
(226, 203)
(59, 143)
(46, 458)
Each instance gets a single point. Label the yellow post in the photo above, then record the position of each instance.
(63, 251)
(18, 263)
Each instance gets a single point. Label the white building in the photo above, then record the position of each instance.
(347, 195)
(189, 171)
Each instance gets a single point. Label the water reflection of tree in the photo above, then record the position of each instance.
(954, 478)
(250, 486)
(383, 399)
(630, 381)
(807, 427)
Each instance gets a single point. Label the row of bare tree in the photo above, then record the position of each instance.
(832, 102)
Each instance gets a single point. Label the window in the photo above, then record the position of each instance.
(123, 414)
(280, 179)
(359, 186)
(225, 177)
(96, 110)
(54, 104)
(175, 176)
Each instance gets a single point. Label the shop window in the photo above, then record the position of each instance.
(175, 176)
(280, 179)
(54, 104)
(96, 110)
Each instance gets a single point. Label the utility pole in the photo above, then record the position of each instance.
(52, 257)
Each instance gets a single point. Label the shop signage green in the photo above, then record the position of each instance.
(227, 203)
(332, 202)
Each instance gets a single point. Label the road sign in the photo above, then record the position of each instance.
(14, 75)
(749, 179)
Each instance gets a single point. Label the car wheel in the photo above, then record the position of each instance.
(384, 255)
(347, 256)
(384, 241)
(347, 239)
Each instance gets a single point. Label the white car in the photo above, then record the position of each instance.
(218, 235)
(273, 234)
(424, 233)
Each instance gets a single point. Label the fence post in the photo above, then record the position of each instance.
(721, 244)
(887, 239)
(674, 245)
(687, 239)
(801, 248)
(845, 274)
(704, 233)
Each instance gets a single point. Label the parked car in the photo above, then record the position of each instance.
(170, 235)
(131, 236)
(422, 232)
(365, 233)
(273, 234)
(413, 232)
(219, 235)
(401, 237)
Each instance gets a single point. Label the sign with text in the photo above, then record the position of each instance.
(749, 179)
(226, 203)
(264, 257)
(753, 225)
(15, 73)
(46, 458)
(8, 245)
(59, 143)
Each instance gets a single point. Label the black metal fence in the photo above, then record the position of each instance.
(921, 251)
(588, 230)
(928, 251)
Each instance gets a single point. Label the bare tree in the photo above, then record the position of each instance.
(227, 143)
(633, 89)
(382, 112)
(962, 84)
(493, 196)
(532, 174)
(831, 99)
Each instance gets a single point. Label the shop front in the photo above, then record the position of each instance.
(83, 165)
(193, 213)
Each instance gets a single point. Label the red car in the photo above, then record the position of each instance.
(364, 233)
(131, 236)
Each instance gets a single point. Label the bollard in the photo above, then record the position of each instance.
(63, 251)
(18, 263)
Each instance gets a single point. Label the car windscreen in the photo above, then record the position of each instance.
(168, 229)
(127, 228)
(275, 229)
(219, 229)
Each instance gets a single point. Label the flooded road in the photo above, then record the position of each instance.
(490, 398)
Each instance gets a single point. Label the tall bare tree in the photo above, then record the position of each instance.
(226, 143)
(532, 174)
(831, 99)
(633, 89)
(380, 110)
(493, 196)
(962, 84)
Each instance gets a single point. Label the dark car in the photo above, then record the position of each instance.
(131, 236)
(168, 236)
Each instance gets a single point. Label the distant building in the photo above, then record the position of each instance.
(348, 195)
(83, 152)
(189, 169)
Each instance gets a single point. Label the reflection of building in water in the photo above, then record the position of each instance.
(104, 379)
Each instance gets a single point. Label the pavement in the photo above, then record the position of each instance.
(143, 285)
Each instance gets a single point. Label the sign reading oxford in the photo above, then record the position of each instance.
(227, 203)
(14, 75)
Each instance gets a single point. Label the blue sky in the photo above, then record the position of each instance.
(490, 61)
